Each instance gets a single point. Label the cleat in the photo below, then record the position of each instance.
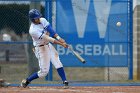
(24, 83)
(66, 84)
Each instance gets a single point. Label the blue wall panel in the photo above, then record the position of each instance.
(90, 27)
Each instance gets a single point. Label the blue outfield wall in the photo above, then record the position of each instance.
(90, 27)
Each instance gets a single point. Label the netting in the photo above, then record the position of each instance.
(102, 35)
(17, 60)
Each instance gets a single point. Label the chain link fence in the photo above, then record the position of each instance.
(136, 38)
(16, 44)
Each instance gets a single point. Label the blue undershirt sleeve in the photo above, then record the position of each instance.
(50, 30)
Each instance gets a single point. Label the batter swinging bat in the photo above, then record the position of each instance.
(77, 55)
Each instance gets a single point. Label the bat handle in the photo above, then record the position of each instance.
(69, 46)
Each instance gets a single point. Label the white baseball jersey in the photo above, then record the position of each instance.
(36, 31)
(45, 53)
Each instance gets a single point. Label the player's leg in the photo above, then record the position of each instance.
(42, 53)
(58, 65)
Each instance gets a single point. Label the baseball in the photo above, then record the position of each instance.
(118, 24)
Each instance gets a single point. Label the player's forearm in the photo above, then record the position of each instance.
(57, 36)
(62, 44)
(57, 42)
(52, 40)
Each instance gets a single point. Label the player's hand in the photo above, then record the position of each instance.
(62, 40)
(65, 45)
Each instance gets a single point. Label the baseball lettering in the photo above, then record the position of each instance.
(96, 50)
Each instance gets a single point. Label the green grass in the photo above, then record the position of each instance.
(14, 73)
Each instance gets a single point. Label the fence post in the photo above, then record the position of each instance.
(48, 16)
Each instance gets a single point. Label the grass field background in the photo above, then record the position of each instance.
(15, 72)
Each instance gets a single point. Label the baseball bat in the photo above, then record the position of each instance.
(77, 55)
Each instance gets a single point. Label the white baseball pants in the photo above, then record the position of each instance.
(46, 54)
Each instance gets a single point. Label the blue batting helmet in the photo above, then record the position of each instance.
(34, 14)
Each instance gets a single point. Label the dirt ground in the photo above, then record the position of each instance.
(73, 89)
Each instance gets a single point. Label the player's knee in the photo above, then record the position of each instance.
(59, 66)
(42, 73)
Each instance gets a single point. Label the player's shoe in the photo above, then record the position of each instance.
(66, 84)
(24, 83)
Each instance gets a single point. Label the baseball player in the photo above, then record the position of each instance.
(43, 35)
